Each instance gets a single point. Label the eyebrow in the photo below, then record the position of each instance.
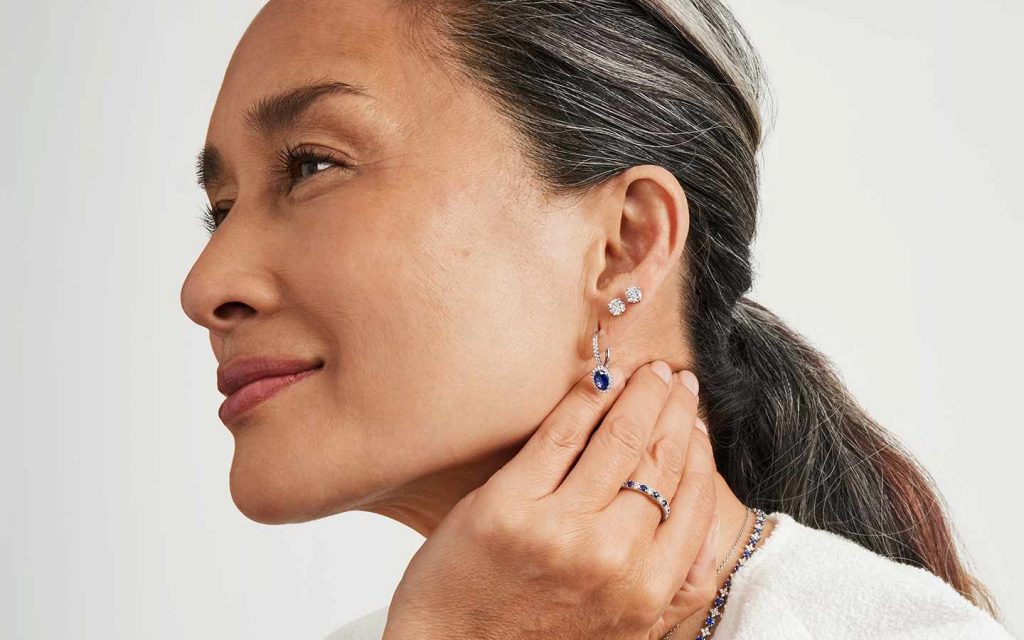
(269, 115)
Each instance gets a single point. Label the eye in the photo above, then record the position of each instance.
(296, 164)
(212, 218)
(293, 165)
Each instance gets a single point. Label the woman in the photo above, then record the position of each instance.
(421, 212)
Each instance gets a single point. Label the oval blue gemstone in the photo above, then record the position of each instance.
(601, 380)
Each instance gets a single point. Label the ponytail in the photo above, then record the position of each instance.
(789, 437)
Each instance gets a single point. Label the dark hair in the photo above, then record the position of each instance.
(594, 87)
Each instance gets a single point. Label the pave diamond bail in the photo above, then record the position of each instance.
(601, 376)
(633, 294)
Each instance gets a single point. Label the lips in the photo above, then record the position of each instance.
(248, 381)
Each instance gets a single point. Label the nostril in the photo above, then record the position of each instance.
(233, 309)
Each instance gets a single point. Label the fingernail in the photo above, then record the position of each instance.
(662, 369)
(700, 425)
(690, 380)
(713, 535)
(709, 550)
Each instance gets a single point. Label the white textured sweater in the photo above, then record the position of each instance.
(804, 583)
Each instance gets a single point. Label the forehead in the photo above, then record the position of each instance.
(297, 42)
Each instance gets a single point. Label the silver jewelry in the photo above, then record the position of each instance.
(746, 514)
(652, 494)
(718, 604)
(601, 376)
(617, 307)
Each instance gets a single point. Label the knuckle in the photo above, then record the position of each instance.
(553, 539)
(546, 551)
(668, 454)
(648, 605)
(593, 403)
(550, 541)
(609, 562)
(645, 606)
(499, 525)
(565, 434)
(624, 432)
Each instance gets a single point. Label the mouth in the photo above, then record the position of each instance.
(248, 382)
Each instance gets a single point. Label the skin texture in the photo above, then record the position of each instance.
(450, 299)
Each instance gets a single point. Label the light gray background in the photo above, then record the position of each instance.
(890, 236)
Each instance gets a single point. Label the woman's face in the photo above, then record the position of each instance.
(442, 293)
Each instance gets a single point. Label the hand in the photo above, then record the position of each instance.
(551, 547)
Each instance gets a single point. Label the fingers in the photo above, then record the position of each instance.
(661, 464)
(703, 569)
(541, 465)
(701, 583)
(618, 444)
(692, 510)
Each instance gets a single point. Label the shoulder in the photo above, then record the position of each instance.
(810, 583)
(369, 626)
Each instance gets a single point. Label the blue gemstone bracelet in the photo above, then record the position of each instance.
(723, 594)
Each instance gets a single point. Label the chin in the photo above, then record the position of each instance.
(273, 492)
(283, 489)
(262, 497)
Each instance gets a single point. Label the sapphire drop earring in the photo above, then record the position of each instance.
(601, 376)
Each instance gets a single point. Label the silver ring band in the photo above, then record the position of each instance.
(652, 494)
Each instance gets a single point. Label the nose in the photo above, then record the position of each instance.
(229, 282)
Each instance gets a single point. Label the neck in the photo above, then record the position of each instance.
(422, 505)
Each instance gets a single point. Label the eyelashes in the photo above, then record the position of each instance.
(211, 219)
(289, 169)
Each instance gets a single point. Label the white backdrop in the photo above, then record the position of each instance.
(890, 236)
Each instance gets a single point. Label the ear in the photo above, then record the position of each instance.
(644, 219)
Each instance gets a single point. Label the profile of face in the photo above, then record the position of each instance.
(383, 223)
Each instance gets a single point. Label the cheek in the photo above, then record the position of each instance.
(439, 315)
(422, 315)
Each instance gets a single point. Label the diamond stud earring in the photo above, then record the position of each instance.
(617, 307)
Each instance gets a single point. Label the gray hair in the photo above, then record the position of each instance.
(593, 87)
